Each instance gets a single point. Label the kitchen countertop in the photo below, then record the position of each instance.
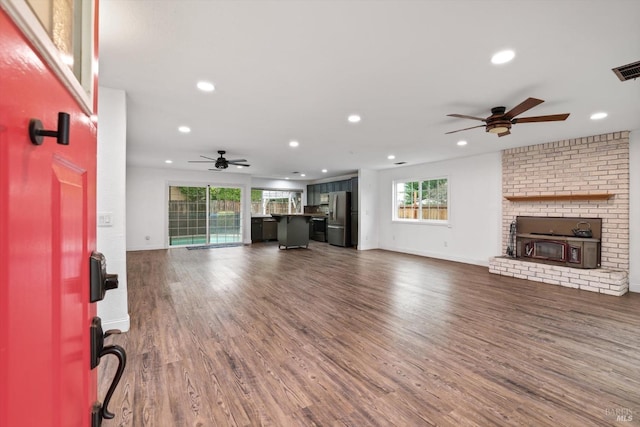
(310, 215)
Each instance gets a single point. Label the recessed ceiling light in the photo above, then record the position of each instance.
(239, 167)
(293, 143)
(168, 161)
(184, 129)
(324, 171)
(391, 157)
(462, 143)
(287, 177)
(598, 116)
(205, 86)
(354, 118)
(503, 57)
(302, 174)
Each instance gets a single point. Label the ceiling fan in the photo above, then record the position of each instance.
(500, 122)
(221, 163)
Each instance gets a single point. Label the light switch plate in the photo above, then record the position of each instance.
(105, 219)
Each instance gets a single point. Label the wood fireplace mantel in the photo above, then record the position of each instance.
(559, 197)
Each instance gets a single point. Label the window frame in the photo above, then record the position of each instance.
(207, 186)
(83, 92)
(289, 197)
(395, 204)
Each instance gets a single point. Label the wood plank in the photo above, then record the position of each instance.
(254, 335)
(559, 197)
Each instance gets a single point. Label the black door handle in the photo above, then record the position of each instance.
(122, 361)
(98, 350)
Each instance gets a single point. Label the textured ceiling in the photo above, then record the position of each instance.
(288, 70)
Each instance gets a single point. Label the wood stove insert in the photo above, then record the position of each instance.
(554, 240)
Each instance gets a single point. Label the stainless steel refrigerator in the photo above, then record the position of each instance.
(339, 219)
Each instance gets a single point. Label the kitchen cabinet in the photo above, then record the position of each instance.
(315, 190)
(353, 187)
(256, 230)
(293, 230)
(263, 229)
(269, 229)
(353, 183)
(311, 195)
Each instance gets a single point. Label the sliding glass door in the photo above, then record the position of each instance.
(204, 215)
(225, 215)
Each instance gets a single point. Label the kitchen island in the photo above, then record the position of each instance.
(293, 230)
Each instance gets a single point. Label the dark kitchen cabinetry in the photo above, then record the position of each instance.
(350, 185)
(269, 229)
(353, 185)
(263, 228)
(315, 190)
(256, 230)
(311, 195)
(293, 230)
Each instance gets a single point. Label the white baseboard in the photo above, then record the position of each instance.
(122, 324)
(145, 248)
(447, 257)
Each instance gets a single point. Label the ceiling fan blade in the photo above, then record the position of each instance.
(550, 118)
(239, 164)
(504, 133)
(460, 130)
(527, 104)
(216, 170)
(236, 160)
(462, 116)
(201, 161)
(208, 158)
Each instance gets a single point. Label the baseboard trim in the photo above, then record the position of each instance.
(436, 255)
(145, 248)
(121, 324)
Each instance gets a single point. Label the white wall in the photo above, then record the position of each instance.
(634, 211)
(368, 233)
(111, 188)
(473, 234)
(147, 202)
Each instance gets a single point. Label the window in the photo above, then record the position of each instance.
(63, 32)
(426, 200)
(266, 202)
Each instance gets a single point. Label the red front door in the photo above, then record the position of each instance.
(47, 233)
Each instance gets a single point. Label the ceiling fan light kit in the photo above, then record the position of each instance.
(500, 123)
(221, 163)
(498, 127)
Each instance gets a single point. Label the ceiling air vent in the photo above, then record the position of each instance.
(628, 72)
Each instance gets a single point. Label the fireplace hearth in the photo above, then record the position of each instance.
(570, 241)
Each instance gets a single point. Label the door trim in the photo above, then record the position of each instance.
(28, 23)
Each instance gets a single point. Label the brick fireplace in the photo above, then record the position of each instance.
(584, 178)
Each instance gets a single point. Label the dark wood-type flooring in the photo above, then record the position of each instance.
(328, 336)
